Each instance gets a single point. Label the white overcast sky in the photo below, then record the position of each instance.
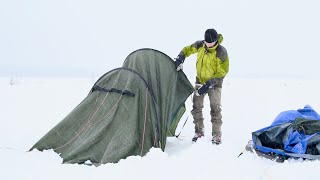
(274, 38)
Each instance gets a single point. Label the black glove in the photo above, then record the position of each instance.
(204, 88)
(178, 64)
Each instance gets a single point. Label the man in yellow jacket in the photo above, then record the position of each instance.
(212, 66)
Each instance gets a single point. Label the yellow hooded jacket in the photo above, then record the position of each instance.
(212, 63)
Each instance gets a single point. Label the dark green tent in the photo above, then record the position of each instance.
(128, 111)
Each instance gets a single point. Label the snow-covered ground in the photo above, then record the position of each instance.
(30, 107)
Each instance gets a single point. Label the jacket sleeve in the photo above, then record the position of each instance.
(222, 70)
(221, 73)
(223, 56)
(225, 65)
(188, 50)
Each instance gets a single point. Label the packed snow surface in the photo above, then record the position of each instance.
(30, 107)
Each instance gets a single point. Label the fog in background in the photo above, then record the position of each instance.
(275, 38)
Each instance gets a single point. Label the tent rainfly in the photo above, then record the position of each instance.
(128, 111)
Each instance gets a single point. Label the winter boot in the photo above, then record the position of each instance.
(197, 135)
(216, 139)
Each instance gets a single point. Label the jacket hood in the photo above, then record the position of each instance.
(220, 39)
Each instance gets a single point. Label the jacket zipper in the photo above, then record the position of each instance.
(202, 63)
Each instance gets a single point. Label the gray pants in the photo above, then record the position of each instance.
(215, 105)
